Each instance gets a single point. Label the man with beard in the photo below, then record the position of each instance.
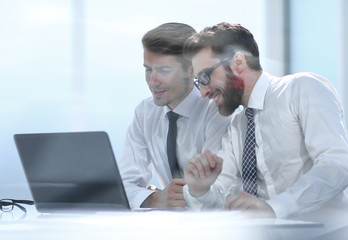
(198, 123)
(286, 153)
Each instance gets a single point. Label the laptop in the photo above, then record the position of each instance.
(71, 172)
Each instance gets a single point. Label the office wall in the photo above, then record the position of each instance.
(74, 65)
(318, 41)
(314, 37)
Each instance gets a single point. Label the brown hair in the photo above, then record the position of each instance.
(225, 39)
(169, 39)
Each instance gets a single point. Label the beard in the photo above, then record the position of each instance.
(232, 94)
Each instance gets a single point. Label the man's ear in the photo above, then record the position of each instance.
(238, 62)
(190, 71)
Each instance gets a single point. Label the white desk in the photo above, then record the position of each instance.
(156, 225)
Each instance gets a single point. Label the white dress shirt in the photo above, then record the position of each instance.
(199, 127)
(301, 146)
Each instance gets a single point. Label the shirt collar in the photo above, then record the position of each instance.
(185, 107)
(258, 93)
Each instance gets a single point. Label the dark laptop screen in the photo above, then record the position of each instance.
(74, 171)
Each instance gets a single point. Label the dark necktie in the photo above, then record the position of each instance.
(171, 144)
(249, 156)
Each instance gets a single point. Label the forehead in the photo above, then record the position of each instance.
(205, 58)
(155, 59)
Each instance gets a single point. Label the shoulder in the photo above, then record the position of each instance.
(300, 83)
(304, 78)
(146, 104)
(147, 107)
(195, 99)
(195, 106)
(304, 90)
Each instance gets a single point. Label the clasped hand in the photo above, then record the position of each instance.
(170, 197)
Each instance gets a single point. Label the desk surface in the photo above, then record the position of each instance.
(155, 225)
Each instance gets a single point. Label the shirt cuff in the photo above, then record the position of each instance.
(192, 203)
(206, 201)
(283, 205)
(140, 198)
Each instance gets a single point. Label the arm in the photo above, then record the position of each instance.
(218, 141)
(320, 116)
(215, 190)
(249, 205)
(136, 167)
(135, 163)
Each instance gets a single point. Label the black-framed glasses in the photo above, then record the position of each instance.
(7, 204)
(204, 77)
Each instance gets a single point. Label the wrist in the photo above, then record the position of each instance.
(149, 201)
(198, 192)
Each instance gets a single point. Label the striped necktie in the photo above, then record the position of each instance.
(249, 156)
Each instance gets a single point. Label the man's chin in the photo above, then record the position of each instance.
(158, 103)
(224, 111)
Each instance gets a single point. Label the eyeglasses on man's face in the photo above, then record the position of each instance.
(204, 77)
(7, 204)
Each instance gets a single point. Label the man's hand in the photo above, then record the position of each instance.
(201, 171)
(249, 205)
(170, 197)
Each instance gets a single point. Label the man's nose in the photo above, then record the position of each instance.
(153, 79)
(205, 90)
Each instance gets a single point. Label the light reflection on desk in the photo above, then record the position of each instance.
(156, 225)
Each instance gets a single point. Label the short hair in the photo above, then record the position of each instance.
(169, 39)
(225, 39)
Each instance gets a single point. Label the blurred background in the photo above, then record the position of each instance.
(77, 65)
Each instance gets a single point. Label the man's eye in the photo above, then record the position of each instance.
(148, 70)
(164, 70)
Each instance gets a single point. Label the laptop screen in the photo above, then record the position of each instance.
(74, 171)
